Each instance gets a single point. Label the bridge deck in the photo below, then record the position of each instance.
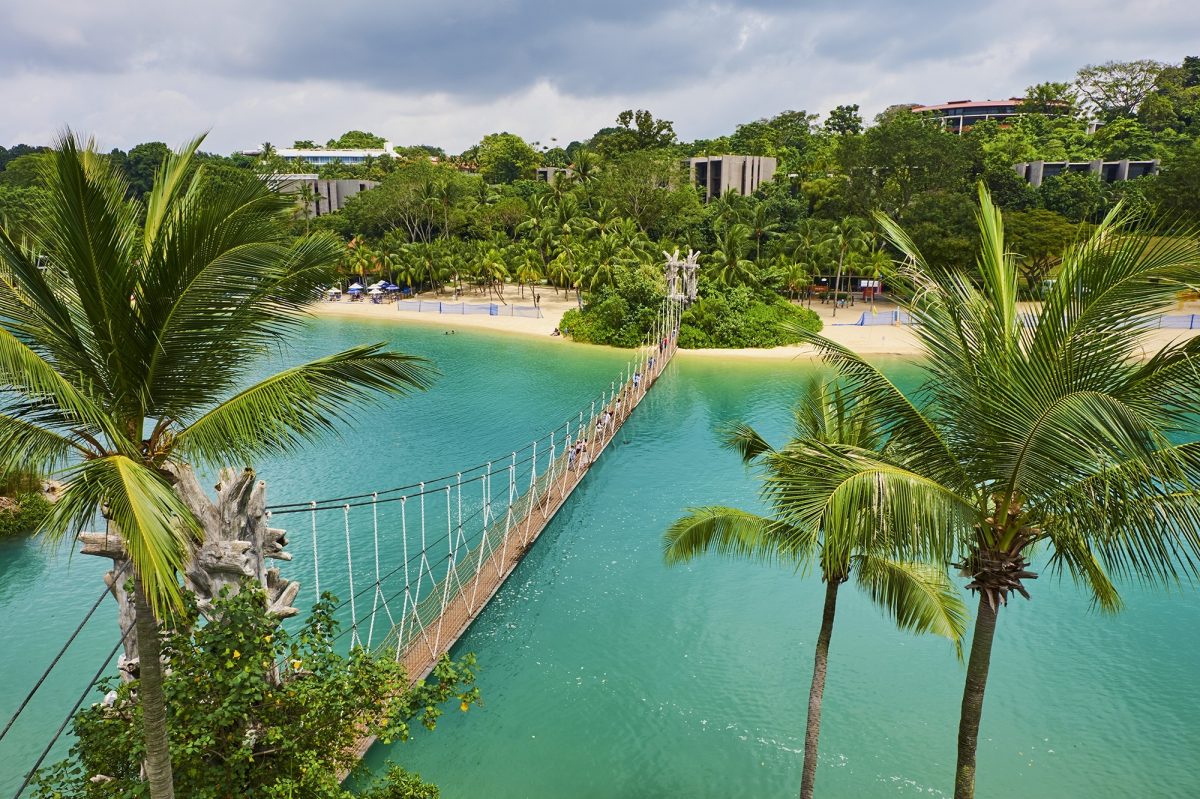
(437, 622)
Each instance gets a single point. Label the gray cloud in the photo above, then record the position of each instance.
(450, 71)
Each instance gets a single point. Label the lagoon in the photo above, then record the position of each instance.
(606, 674)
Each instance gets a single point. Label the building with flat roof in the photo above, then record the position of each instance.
(1108, 171)
(321, 156)
(549, 174)
(960, 115)
(327, 195)
(715, 175)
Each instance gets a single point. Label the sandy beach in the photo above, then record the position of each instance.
(865, 340)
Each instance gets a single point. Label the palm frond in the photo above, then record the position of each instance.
(32, 447)
(745, 440)
(46, 396)
(300, 404)
(907, 428)
(157, 528)
(862, 502)
(728, 531)
(919, 596)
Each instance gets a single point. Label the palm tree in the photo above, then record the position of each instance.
(307, 197)
(127, 357)
(528, 272)
(845, 241)
(729, 263)
(761, 225)
(842, 537)
(1043, 434)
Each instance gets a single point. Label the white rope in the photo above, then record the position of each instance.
(378, 589)
(316, 569)
(483, 537)
(354, 639)
(402, 635)
(437, 636)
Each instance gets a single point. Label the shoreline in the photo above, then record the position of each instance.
(870, 340)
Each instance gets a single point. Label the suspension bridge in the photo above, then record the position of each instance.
(436, 551)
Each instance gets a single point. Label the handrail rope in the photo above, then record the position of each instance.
(279, 508)
(325, 507)
(29, 696)
(58, 733)
(339, 502)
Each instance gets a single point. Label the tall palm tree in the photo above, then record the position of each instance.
(729, 263)
(127, 357)
(842, 537)
(1047, 436)
(844, 242)
(761, 225)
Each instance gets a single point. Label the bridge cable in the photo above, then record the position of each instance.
(58, 733)
(29, 696)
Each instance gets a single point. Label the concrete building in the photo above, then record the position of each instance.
(1108, 171)
(320, 156)
(715, 175)
(327, 195)
(960, 115)
(549, 174)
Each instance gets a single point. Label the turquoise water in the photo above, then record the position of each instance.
(605, 674)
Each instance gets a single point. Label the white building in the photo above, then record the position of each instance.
(320, 156)
(327, 195)
(715, 175)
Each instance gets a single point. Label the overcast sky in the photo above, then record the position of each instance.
(450, 71)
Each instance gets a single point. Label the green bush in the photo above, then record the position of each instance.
(31, 508)
(237, 729)
(623, 315)
(739, 318)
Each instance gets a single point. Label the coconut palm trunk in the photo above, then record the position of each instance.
(816, 693)
(972, 701)
(152, 699)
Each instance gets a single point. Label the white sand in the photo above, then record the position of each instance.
(865, 340)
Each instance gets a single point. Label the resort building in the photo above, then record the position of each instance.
(960, 115)
(326, 195)
(1108, 171)
(320, 156)
(549, 174)
(715, 175)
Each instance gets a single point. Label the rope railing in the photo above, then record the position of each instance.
(458, 548)
(461, 535)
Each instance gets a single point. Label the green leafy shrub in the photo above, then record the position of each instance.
(740, 318)
(622, 316)
(238, 730)
(31, 508)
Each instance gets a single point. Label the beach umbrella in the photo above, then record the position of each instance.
(334, 291)
(374, 291)
(356, 286)
(356, 290)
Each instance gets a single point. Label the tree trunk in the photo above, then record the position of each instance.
(836, 284)
(972, 702)
(153, 701)
(817, 692)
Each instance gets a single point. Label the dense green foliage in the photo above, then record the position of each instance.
(24, 515)
(477, 221)
(258, 710)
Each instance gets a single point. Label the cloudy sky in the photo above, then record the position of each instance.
(447, 72)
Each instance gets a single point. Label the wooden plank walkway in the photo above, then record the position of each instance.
(431, 628)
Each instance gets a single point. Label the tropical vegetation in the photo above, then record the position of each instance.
(127, 329)
(1039, 443)
(259, 710)
(476, 221)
